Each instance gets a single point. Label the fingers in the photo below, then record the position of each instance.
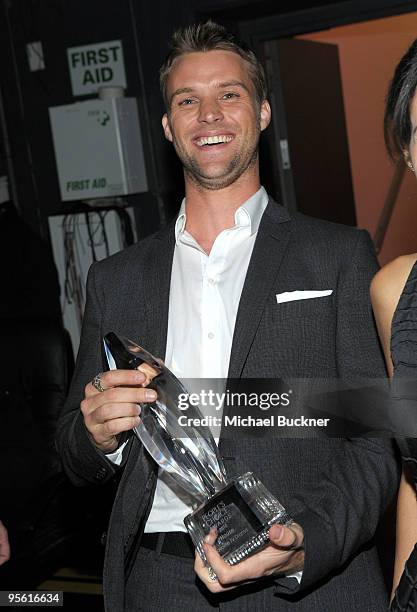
(116, 409)
(4, 545)
(219, 568)
(109, 412)
(149, 373)
(203, 572)
(116, 395)
(227, 575)
(284, 555)
(106, 433)
(117, 378)
(109, 421)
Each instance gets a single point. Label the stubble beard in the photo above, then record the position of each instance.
(238, 165)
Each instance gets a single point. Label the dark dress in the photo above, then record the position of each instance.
(404, 357)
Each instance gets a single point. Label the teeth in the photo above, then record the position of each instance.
(209, 140)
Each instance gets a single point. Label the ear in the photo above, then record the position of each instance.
(265, 114)
(166, 127)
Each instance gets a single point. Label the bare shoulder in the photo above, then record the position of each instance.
(386, 289)
(388, 283)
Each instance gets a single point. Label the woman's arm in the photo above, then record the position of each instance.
(406, 532)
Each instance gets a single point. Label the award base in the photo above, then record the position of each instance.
(242, 512)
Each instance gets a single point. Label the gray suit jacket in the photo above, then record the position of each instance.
(336, 489)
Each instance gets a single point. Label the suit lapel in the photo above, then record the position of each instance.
(270, 245)
(156, 285)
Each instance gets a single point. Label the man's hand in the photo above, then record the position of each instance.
(283, 555)
(4, 545)
(116, 409)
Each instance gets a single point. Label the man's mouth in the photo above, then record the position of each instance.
(213, 140)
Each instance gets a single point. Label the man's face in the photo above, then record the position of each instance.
(214, 120)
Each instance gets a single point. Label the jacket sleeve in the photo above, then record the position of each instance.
(82, 460)
(342, 513)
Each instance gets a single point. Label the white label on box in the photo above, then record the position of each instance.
(94, 66)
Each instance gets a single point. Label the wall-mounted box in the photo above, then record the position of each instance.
(98, 148)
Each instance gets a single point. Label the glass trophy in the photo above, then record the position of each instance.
(241, 509)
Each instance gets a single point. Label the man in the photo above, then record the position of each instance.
(207, 295)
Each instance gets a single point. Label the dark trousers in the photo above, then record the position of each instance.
(164, 583)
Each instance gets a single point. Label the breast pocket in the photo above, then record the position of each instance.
(297, 338)
(309, 307)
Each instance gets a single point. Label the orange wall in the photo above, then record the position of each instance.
(368, 54)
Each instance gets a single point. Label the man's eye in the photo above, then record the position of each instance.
(186, 102)
(229, 95)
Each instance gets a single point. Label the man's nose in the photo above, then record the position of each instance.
(210, 111)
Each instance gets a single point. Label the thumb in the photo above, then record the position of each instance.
(287, 537)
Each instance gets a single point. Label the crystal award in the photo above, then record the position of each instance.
(241, 509)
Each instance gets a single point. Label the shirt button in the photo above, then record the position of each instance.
(211, 335)
(211, 281)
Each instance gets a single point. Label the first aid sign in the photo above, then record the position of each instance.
(94, 66)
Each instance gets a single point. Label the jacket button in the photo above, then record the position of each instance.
(101, 473)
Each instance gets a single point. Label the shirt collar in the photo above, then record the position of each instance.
(248, 214)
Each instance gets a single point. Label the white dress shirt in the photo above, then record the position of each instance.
(203, 301)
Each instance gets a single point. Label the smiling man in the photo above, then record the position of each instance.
(209, 294)
(214, 119)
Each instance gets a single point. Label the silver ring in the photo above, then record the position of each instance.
(96, 382)
(212, 574)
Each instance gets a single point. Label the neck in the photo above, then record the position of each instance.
(210, 211)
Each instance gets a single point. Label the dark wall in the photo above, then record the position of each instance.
(144, 27)
(27, 95)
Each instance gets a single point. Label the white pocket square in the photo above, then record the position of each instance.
(290, 296)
